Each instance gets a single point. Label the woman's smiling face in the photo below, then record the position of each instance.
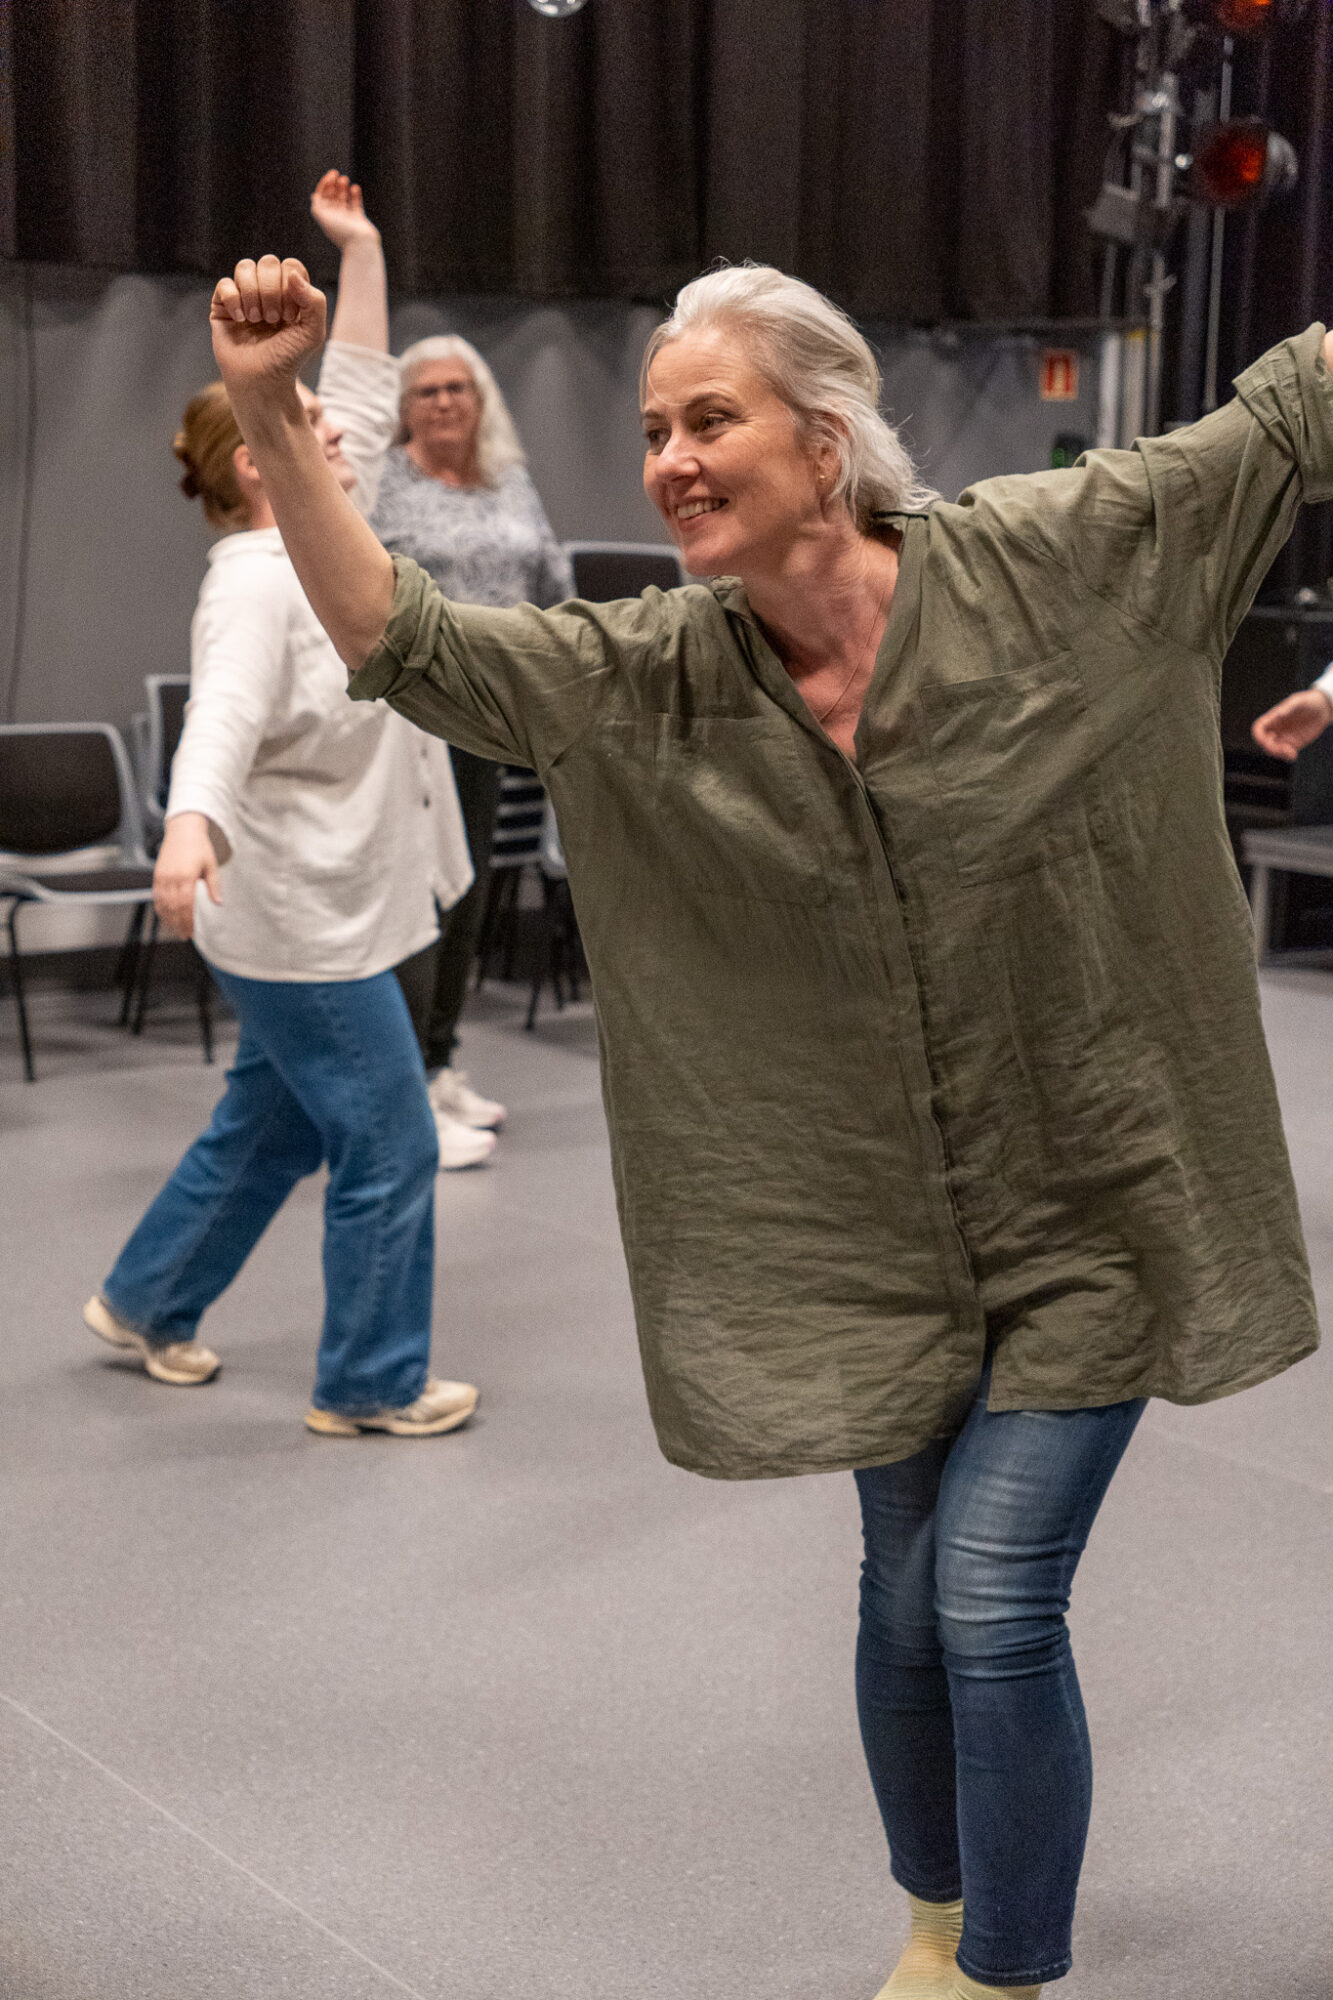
(725, 465)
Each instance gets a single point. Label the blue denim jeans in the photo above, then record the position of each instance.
(969, 1704)
(323, 1072)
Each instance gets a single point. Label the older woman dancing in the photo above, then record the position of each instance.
(943, 1128)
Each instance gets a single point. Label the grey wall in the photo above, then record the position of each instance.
(100, 370)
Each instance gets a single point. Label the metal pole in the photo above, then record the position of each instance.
(1194, 287)
(1167, 106)
(1215, 254)
(1108, 390)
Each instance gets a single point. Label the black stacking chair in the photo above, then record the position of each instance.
(607, 570)
(515, 846)
(165, 718)
(559, 948)
(66, 788)
(152, 737)
(167, 696)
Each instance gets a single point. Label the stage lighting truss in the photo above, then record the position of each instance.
(1234, 162)
(1167, 160)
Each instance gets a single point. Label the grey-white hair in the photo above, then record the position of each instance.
(808, 350)
(497, 441)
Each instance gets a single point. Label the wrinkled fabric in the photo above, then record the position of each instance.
(961, 1039)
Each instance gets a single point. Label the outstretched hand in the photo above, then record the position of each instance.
(267, 318)
(1284, 731)
(337, 207)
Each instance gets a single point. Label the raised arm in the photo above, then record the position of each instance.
(361, 316)
(1179, 532)
(267, 320)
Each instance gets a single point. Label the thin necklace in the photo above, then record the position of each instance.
(822, 715)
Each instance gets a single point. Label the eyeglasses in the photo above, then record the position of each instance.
(435, 391)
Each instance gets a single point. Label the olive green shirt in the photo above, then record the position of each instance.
(959, 1040)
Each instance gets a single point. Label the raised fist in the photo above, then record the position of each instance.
(267, 318)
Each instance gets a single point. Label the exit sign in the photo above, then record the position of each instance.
(1059, 375)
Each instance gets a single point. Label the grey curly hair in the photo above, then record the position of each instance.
(812, 356)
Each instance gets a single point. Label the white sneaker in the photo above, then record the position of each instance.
(183, 1363)
(451, 1092)
(461, 1145)
(441, 1406)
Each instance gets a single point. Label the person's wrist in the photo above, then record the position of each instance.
(1328, 699)
(268, 405)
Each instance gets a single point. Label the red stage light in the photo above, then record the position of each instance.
(1241, 161)
(1245, 17)
(1242, 17)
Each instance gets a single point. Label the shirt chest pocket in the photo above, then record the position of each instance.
(1013, 764)
(725, 802)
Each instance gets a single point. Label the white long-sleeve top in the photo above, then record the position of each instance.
(337, 822)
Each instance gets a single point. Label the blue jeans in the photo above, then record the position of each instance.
(969, 1704)
(327, 1071)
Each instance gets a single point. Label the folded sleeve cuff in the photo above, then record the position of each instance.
(1289, 391)
(407, 644)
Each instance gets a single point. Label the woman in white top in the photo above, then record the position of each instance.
(306, 846)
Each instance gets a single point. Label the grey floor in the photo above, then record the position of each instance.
(524, 1711)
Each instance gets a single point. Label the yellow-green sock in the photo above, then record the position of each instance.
(964, 1988)
(924, 1970)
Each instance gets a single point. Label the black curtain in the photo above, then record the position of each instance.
(918, 159)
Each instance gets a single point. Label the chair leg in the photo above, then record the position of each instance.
(560, 973)
(127, 965)
(146, 957)
(509, 929)
(567, 940)
(543, 965)
(20, 999)
(486, 932)
(204, 998)
(573, 941)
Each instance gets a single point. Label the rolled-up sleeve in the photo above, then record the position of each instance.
(519, 685)
(1290, 392)
(1180, 531)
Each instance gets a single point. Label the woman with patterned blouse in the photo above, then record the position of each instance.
(456, 497)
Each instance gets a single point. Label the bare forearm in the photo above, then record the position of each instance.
(346, 574)
(361, 315)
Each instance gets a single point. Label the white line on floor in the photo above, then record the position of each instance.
(335, 1937)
